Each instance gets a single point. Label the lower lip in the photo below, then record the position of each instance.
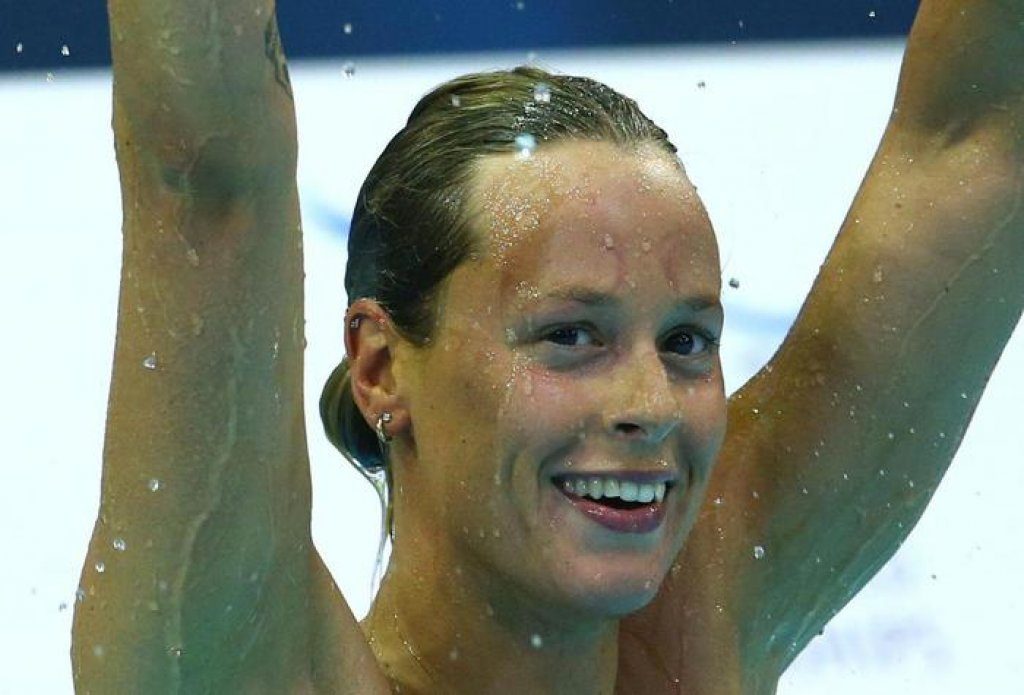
(640, 520)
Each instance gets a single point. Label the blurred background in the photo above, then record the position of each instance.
(776, 108)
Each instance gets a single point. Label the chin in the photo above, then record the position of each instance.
(603, 589)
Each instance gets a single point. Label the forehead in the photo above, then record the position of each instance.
(595, 214)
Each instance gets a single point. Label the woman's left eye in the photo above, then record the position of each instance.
(693, 342)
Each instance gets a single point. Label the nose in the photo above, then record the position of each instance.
(643, 407)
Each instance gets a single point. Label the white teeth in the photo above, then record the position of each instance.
(628, 491)
(645, 493)
(598, 487)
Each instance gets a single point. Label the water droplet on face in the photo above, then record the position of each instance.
(192, 257)
(891, 435)
(347, 28)
(453, 654)
(150, 361)
(100, 567)
(65, 51)
(758, 552)
(718, 501)
(98, 651)
(119, 545)
(536, 641)
(79, 594)
(542, 93)
(349, 69)
(153, 484)
(609, 242)
(525, 145)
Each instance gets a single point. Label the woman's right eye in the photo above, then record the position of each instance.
(568, 335)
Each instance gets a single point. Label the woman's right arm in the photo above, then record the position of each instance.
(201, 575)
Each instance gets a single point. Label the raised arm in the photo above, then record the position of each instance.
(837, 445)
(200, 576)
(845, 436)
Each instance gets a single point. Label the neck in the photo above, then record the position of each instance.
(435, 629)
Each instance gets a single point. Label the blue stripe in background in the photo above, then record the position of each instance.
(315, 28)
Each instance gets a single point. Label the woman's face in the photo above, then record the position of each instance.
(574, 359)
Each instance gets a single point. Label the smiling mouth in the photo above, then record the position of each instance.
(617, 503)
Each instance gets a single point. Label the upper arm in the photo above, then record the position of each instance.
(197, 576)
(836, 447)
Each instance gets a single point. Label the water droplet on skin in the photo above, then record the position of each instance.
(347, 28)
(162, 585)
(100, 567)
(609, 242)
(150, 361)
(891, 435)
(192, 257)
(453, 655)
(79, 595)
(536, 641)
(153, 484)
(718, 501)
(65, 51)
(542, 93)
(175, 652)
(99, 651)
(758, 552)
(349, 69)
(878, 276)
(645, 245)
(119, 545)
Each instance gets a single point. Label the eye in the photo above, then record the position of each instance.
(690, 341)
(568, 335)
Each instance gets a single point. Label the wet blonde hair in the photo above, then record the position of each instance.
(410, 229)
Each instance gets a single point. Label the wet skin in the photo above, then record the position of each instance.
(520, 385)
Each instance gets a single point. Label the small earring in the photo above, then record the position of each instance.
(383, 436)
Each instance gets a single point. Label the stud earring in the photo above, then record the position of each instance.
(383, 436)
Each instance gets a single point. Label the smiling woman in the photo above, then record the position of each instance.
(532, 367)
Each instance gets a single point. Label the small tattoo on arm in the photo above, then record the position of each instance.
(272, 45)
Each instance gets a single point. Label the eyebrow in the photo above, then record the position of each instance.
(586, 295)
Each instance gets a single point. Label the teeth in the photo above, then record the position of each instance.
(628, 491)
(646, 493)
(597, 487)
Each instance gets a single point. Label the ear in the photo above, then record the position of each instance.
(370, 342)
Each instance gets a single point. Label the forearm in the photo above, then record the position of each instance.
(201, 86)
(963, 71)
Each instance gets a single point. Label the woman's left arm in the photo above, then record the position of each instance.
(836, 447)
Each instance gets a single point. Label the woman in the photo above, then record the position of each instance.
(533, 315)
